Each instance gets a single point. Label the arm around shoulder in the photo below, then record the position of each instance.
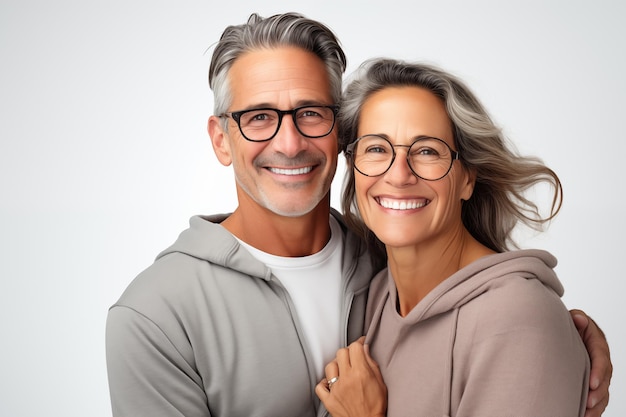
(601, 366)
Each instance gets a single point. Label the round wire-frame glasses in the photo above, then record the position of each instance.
(428, 158)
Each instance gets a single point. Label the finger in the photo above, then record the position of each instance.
(598, 409)
(343, 361)
(581, 321)
(358, 357)
(599, 354)
(601, 372)
(321, 390)
(331, 370)
(601, 367)
(598, 400)
(324, 384)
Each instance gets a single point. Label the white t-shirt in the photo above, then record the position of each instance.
(314, 284)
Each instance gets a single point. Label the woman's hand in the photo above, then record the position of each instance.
(357, 388)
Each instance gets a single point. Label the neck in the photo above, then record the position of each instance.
(279, 235)
(418, 269)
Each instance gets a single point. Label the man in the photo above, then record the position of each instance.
(240, 314)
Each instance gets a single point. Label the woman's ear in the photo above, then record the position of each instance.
(219, 140)
(469, 182)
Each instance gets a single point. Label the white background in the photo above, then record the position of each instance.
(104, 153)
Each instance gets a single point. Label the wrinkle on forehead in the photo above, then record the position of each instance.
(404, 113)
(282, 78)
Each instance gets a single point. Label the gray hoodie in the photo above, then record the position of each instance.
(207, 330)
(492, 340)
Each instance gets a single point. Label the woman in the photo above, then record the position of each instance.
(458, 324)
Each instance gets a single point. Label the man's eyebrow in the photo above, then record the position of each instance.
(256, 106)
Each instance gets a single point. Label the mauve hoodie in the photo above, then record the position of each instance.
(492, 340)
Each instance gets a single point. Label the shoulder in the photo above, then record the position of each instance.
(517, 304)
(181, 281)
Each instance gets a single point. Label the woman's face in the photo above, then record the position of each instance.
(399, 207)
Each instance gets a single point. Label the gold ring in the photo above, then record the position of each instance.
(331, 381)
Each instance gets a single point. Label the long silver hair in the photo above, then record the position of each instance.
(499, 200)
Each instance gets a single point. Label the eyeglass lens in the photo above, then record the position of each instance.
(263, 124)
(429, 158)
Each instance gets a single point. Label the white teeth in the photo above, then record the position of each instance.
(402, 204)
(299, 171)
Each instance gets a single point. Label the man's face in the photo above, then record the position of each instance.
(290, 174)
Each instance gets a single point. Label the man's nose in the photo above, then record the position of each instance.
(288, 140)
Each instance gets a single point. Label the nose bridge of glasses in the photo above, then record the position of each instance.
(293, 118)
(406, 162)
(288, 139)
(292, 122)
(406, 147)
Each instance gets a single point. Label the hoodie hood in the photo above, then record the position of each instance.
(468, 283)
(426, 339)
(207, 240)
(479, 277)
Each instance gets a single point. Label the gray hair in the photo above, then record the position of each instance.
(288, 29)
(503, 176)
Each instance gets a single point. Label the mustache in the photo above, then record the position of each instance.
(280, 160)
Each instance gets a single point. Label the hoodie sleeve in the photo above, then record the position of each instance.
(522, 353)
(148, 375)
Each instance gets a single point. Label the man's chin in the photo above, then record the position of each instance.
(294, 208)
(292, 212)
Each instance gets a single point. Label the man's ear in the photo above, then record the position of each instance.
(219, 140)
